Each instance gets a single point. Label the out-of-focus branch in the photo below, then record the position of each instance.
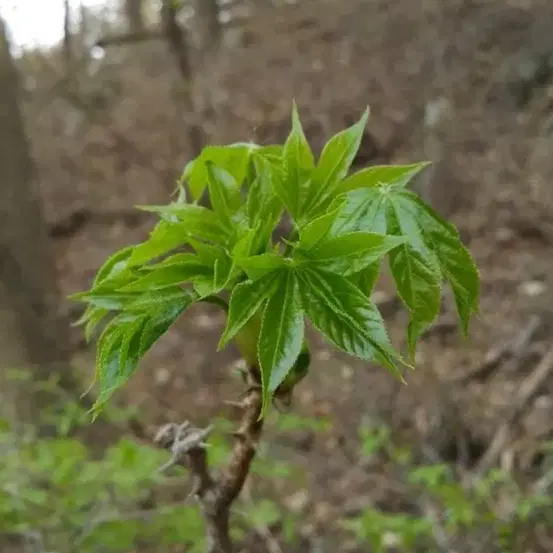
(122, 39)
(154, 33)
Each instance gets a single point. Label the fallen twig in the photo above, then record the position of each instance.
(513, 348)
(526, 392)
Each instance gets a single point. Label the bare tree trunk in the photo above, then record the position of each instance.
(67, 39)
(134, 16)
(207, 16)
(32, 332)
(178, 44)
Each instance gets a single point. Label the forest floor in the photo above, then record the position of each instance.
(462, 391)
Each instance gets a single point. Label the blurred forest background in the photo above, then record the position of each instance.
(107, 118)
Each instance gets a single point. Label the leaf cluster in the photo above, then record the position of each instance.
(343, 225)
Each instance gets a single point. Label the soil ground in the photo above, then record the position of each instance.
(492, 177)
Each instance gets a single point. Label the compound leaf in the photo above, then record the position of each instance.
(342, 313)
(379, 175)
(335, 162)
(350, 253)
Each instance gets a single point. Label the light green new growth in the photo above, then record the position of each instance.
(343, 226)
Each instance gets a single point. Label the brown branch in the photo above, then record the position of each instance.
(216, 495)
(132, 37)
(154, 33)
(75, 221)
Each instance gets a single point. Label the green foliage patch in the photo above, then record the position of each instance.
(344, 224)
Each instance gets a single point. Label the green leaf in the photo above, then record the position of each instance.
(457, 265)
(350, 253)
(159, 324)
(433, 251)
(363, 210)
(261, 191)
(130, 354)
(426, 230)
(281, 336)
(341, 312)
(297, 373)
(417, 275)
(96, 317)
(207, 253)
(366, 279)
(164, 237)
(258, 266)
(264, 207)
(335, 162)
(319, 228)
(153, 301)
(245, 300)
(126, 339)
(224, 192)
(113, 265)
(379, 175)
(168, 276)
(282, 189)
(222, 270)
(193, 220)
(112, 301)
(174, 259)
(298, 165)
(233, 158)
(107, 360)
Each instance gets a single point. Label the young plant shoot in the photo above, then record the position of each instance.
(343, 226)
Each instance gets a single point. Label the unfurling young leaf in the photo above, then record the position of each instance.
(335, 162)
(234, 159)
(298, 164)
(324, 272)
(281, 336)
(224, 192)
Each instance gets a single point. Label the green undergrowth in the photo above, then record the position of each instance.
(55, 495)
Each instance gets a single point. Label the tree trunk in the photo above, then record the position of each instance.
(134, 16)
(178, 45)
(32, 332)
(207, 16)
